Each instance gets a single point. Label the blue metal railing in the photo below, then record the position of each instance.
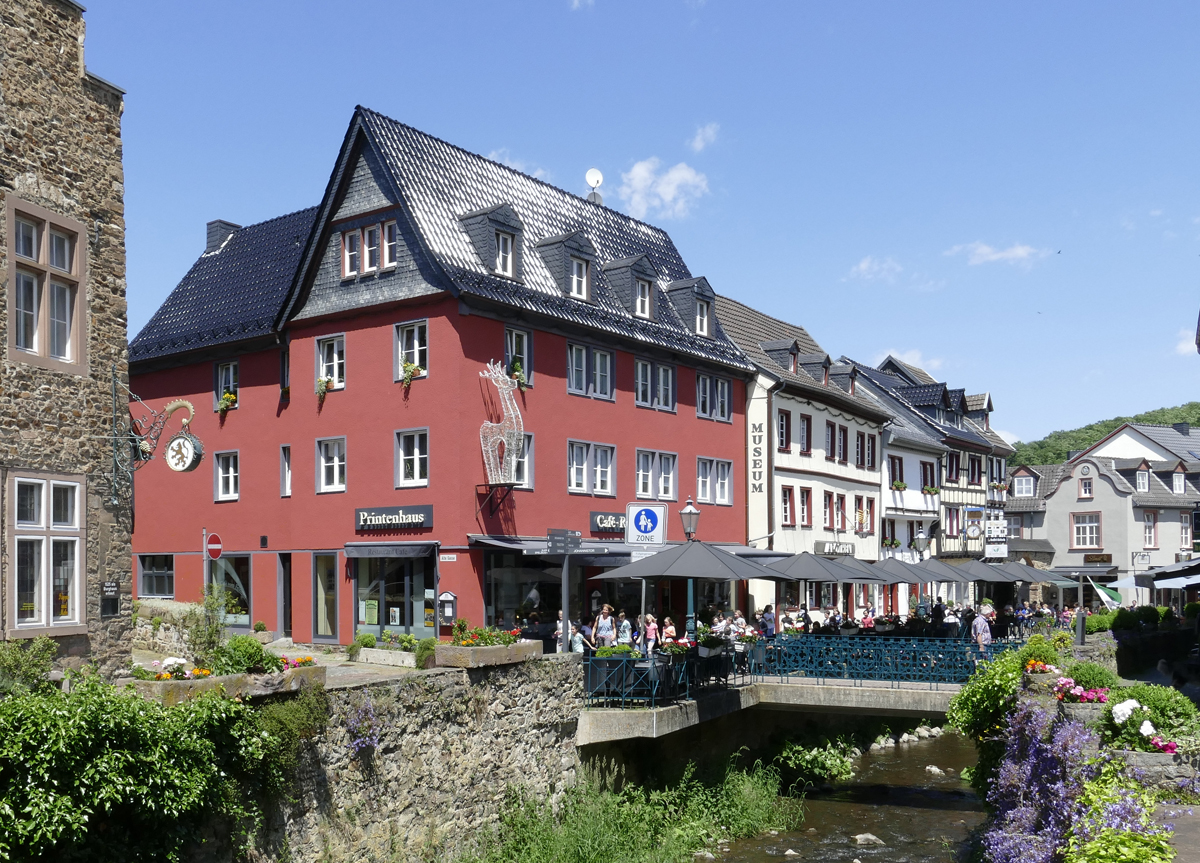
(637, 681)
(878, 657)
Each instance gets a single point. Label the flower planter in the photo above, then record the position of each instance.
(172, 692)
(379, 656)
(848, 630)
(1088, 713)
(1160, 770)
(705, 652)
(1042, 684)
(884, 627)
(453, 656)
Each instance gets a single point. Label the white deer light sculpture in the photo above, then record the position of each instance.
(510, 431)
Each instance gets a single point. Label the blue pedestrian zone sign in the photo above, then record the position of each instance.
(645, 524)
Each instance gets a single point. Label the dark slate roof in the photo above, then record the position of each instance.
(1048, 477)
(919, 375)
(1029, 545)
(229, 294)
(908, 425)
(750, 329)
(999, 444)
(925, 394)
(440, 182)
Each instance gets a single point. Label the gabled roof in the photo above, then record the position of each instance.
(907, 425)
(980, 402)
(1177, 439)
(750, 329)
(923, 395)
(438, 182)
(1048, 478)
(915, 375)
(230, 294)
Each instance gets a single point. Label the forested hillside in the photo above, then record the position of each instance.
(1053, 448)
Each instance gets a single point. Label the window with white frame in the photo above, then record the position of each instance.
(351, 253)
(805, 433)
(285, 471)
(1185, 530)
(787, 509)
(47, 539)
(1150, 529)
(713, 481)
(577, 369)
(579, 278)
(712, 398)
(664, 394)
(703, 310)
(1022, 486)
(1177, 485)
(226, 465)
(602, 374)
(412, 348)
(227, 383)
(331, 362)
(641, 300)
(523, 467)
(602, 469)
(370, 249)
(703, 388)
(1143, 481)
(827, 510)
(722, 400)
(1086, 527)
(704, 471)
(158, 575)
(1015, 523)
(952, 521)
(331, 467)
(504, 253)
(590, 468)
(643, 383)
(590, 372)
(577, 466)
(518, 354)
(804, 506)
(783, 431)
(723, 482)
(1085, 487)
(656, 475)
(870, 452)
(412, 458)
(391, 244)
(44, 297)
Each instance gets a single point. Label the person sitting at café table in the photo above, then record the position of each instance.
(868, 619)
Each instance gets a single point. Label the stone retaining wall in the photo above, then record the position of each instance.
(450, 742)
(169, 636)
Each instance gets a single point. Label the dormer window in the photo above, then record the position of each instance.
(702, 308)
(579, 278)
(504, 244)
(1143, 480)
(792, 362)
(1177, 483)
(641, 306)
(351, 253)
(1023, 486)
(371, 249)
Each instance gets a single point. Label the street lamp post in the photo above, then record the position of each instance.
(690, 516)
(920, 543)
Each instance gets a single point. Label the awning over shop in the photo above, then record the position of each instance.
(389, 549)
(600, 552)
(1184, 567)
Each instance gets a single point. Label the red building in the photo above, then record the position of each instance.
(348, 482)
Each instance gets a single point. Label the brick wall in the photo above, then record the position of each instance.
(61, 134)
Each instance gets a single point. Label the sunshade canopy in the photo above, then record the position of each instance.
(977, 570)
(942, 572)
(1022, 572)
(898, 572)
(690, 560)
(806, 566)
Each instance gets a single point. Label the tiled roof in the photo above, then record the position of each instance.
(1028, 545)
(750, 329)
(440, 182)
(1171, 438)
(907, 424)
(925, 394)
(977, 402)
(1048, 477)
(917, 374)
(230, 294)
(1000, 445)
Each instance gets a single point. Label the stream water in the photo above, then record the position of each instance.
(920, 816)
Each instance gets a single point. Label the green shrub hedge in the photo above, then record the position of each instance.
(1172, 714)
(1089, 675)
(243, 654)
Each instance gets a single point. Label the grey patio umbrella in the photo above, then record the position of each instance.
(690, 560)
(854, 563)
(806, 566)
(939, 571)
(899, 572)
(977, 570)
(1022, 572)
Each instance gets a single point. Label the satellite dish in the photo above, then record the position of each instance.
(594, 177)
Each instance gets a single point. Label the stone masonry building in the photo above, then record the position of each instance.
(62, 334)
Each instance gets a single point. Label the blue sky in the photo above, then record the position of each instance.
(1006, 193)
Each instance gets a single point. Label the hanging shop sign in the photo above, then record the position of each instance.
(992, 549)
(393, 518)
(608, 522)
(836, 549)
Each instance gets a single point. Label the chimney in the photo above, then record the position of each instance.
(1182, 428)
(218, 232)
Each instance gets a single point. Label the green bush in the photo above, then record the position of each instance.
(426, 650)
(831, 761)
(1172, 714)
(243, 654)
(293, 719)
(100, 774)
(1039, 650)
(259, 626)
(1147, 614)
(155, 623)
(1089, 675)
(615, 650)
(1146, 842)
(980, 711)
(1098, 623)
(1061, 640)
(1192, 610)
(363, 639)
(25, 666)
(1124, 619)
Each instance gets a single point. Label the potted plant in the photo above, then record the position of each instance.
(887, 622)
(408, 371)
(1000, 486)
(519, 374)
(1077, 703)
(711, 644)
(899, 485)
(849, 627)
(323, 385)
(930, 489)
(228, 400)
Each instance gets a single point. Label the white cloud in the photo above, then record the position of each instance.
(504, 157)
(704, 136)
(872, 269)
(1008, 436)
(1186, 345)
(666, 193)
(982, 253)
(1156, 213)
(579, 4)
(913, 357)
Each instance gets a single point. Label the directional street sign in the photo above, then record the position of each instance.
(560, 541)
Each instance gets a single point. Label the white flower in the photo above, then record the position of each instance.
(1124, 710)
(1147, 729)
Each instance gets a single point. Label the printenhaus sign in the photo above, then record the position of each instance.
(393, 518)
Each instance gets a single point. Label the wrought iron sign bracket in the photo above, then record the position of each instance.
(495, 495)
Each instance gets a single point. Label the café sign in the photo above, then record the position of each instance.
(835, 548)
(608, 522)
(393, 518)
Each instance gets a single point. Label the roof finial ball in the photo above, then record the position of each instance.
(594, 179)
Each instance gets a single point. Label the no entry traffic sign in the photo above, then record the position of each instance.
(213, 546)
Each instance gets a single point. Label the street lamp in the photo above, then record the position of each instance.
(690, 516)
(920, 543)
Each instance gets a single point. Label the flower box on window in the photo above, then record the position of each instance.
(899, 485)
(930, 489)
(1000, 486)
